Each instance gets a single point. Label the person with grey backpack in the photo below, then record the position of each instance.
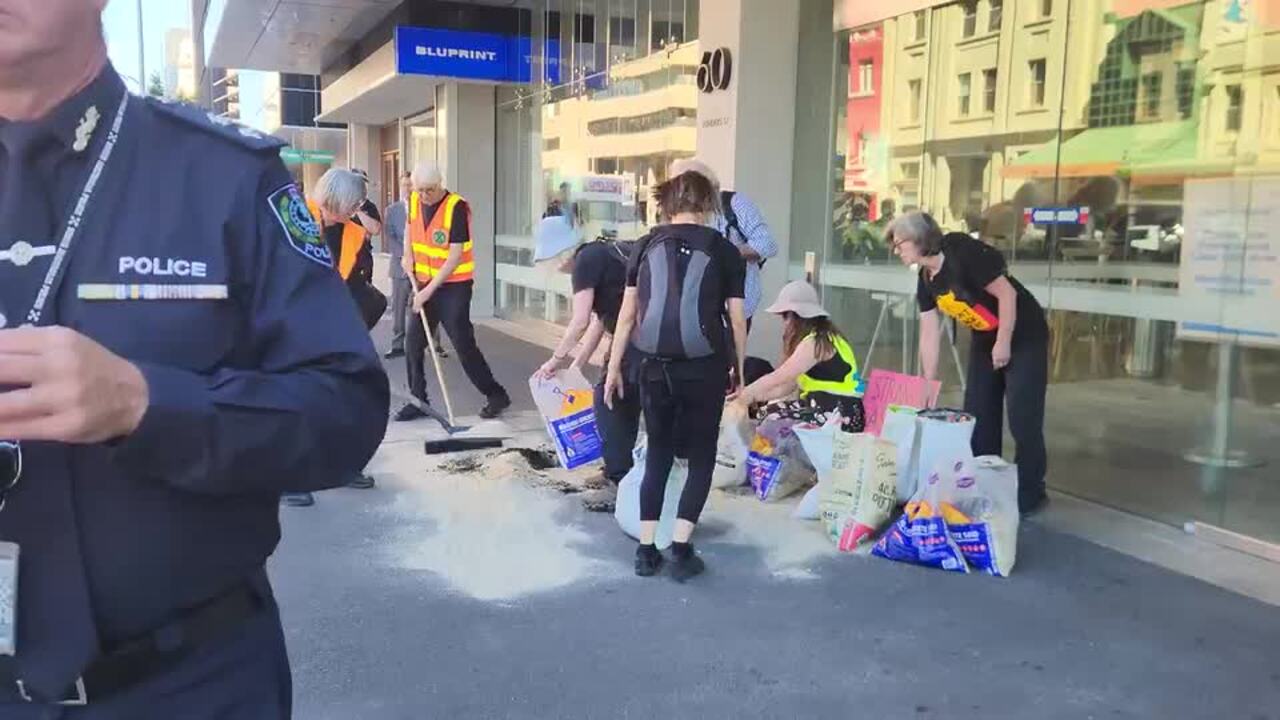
(685, 283)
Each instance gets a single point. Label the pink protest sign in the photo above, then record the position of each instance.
(885, 388)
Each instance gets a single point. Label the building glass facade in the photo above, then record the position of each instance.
(614, 102)
(1157, 123)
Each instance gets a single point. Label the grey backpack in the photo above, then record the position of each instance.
(681, 301)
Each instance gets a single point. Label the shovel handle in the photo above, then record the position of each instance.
(435, 358)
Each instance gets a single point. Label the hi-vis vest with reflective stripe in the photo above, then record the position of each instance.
(430, 241)
(352, 240)
(846, 386)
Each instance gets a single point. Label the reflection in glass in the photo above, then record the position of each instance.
(1154, 126)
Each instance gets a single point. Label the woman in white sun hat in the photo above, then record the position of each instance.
(819, 364)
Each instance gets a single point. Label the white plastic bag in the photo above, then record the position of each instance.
(944, 437)
(776, 465)
(963, 518)
(984, 491)
(627, 508)
(733, 447)
(566, 403)
(856, 482)
(902, 429)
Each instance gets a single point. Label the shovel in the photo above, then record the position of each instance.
(453, 443)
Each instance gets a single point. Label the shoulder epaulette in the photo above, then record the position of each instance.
(224, 127)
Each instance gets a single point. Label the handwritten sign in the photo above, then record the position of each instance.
(885, 388)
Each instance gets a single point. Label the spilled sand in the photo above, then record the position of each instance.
(483, 526)
(495, 528)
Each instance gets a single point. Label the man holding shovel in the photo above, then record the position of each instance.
(440, 263)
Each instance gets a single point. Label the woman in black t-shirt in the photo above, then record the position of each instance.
(599, 272)
(683, 280)
(968, 280)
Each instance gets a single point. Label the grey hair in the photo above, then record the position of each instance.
(917, 227)
(427, 173)
(340, 192)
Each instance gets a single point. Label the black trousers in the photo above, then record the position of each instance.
(682, 402)
(1021, 385)
(618, 428)
(450, 307)
(243, 677)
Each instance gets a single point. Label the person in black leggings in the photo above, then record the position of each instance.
(683, 280)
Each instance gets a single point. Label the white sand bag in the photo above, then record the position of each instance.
(627, 508)
(902, 429)
(817, 443)
(857, 483)
(734, 445)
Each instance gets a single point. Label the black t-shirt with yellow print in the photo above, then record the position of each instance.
(959, 289)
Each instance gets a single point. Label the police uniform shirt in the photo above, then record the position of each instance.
(198, 261)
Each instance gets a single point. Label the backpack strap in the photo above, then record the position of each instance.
(730, 217)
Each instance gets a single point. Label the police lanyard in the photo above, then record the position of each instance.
(57, 268)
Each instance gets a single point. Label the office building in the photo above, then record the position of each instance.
(1152, 125)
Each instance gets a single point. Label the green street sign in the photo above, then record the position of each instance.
(294, 156)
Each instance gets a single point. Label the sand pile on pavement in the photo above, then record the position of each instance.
(493, 535)
(790, 547)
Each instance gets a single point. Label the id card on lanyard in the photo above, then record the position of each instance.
(11, 452)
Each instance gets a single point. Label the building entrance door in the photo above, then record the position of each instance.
(390, 178)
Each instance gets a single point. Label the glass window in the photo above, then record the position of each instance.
(1235, 107)
(865, 82)
(1151, 83)
(1164, 341)
(1036, 90)
(584, 28)
(970, 19)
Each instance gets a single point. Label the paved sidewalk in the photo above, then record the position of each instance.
(1079, 631)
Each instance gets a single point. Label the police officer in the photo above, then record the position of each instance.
(440, 261)
(174, 352)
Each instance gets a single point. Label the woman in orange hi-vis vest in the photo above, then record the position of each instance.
(441, 263)
(340, 206)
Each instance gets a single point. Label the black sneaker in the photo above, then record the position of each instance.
(686, 565)
(394, 353)
(441, 351)
(648, 561)
(496, 405)
(361, 482)
(297, 499)
(409, 412)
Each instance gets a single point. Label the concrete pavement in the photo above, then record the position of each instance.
(388, 618)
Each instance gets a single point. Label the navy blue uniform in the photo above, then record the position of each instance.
(262, 379)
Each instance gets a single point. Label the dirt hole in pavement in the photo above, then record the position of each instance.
(537, 459)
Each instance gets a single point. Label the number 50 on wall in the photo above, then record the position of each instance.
(716, 70)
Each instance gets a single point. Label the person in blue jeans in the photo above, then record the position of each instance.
(599, 276)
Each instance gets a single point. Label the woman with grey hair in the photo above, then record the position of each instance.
(969, 281)
(338, 195)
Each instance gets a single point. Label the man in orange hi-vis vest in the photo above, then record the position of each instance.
(440, 261)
